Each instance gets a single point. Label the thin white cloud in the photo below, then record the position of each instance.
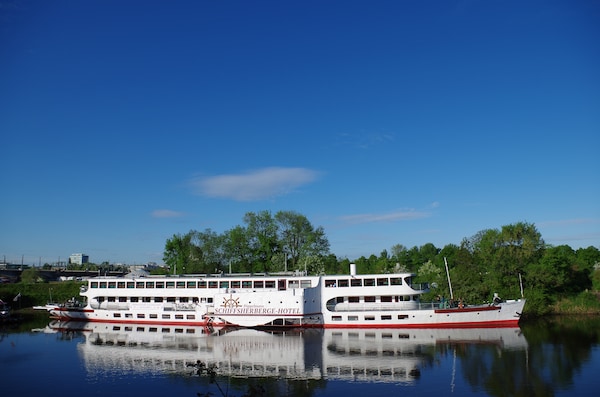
(166, 214)
(565, 222)
(386, 217)
(254, 185)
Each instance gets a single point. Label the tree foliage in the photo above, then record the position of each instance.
(506, 261)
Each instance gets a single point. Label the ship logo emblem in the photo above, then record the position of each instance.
(231, 302)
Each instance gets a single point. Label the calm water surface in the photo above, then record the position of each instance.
(553, 357)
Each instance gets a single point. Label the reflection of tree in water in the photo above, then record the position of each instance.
(557, 351)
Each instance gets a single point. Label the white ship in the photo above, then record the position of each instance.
(331, 301)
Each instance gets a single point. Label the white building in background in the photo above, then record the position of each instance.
(78, 259)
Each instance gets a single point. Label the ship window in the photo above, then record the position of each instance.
(117, 315)
(369, 282)
(336, 318)
(158, 299)
(329, 283)
(153, 329)
(121, 284)
(293, 284)
(112, 284)
(130, 284)
(181, 284)
(111, 298)
(235, 284)
(352, 318)
(141, 315)
(224, 284)
(150, 284)
(339, 299)
(166, 316)
(402, 316)
(122, 299)
(128, 315)
(191, 284)
(153, 315)
(201, 284)
(171, 299)
(383, 281)
(184, 299)
(209, 300)
(179, 316)
(246, 284)
(353, 299)
(128, 329)
(356, 282)
(386, 298)
(212, 284)
(395, 281)
(191, 316)
(369, 299)
(386, 317)
(146, 299)
(160, 284)
(140, 329)
(258, 284)
(369, 318)
(166, 330)
(270, 284)
(94, 284)
(134, 299)
(102, 284)
(170, 284)
(139, 284)
(343, 283)
(305, 284)
(179, 330)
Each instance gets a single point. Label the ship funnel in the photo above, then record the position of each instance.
(353, 269)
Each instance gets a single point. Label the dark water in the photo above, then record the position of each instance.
(551, 357)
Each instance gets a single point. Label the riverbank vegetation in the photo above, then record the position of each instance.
(513, 261)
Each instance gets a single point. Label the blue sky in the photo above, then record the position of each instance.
(387, 122)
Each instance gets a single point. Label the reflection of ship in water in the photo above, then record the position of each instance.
(353, 354)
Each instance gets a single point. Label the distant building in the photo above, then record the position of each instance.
(79, 259)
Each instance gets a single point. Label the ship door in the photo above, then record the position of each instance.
(281, 286)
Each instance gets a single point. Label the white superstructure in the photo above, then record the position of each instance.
(338, 301)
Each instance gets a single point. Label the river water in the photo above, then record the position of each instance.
(550, 357)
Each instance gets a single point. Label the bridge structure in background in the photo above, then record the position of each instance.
(14, 275)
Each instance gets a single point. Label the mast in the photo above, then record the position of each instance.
(449, 282)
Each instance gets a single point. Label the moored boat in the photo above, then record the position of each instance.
(279, 300)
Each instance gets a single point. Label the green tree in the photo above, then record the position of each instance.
(262, 236)
(237, 250)
(298, 238)
(181, 255)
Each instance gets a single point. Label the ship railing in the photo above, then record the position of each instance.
(373, 307)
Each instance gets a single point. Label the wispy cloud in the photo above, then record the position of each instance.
(166, 214)
(565, 222)
(385, 217)
(254, 185)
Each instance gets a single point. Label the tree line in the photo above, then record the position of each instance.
(510, 261)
